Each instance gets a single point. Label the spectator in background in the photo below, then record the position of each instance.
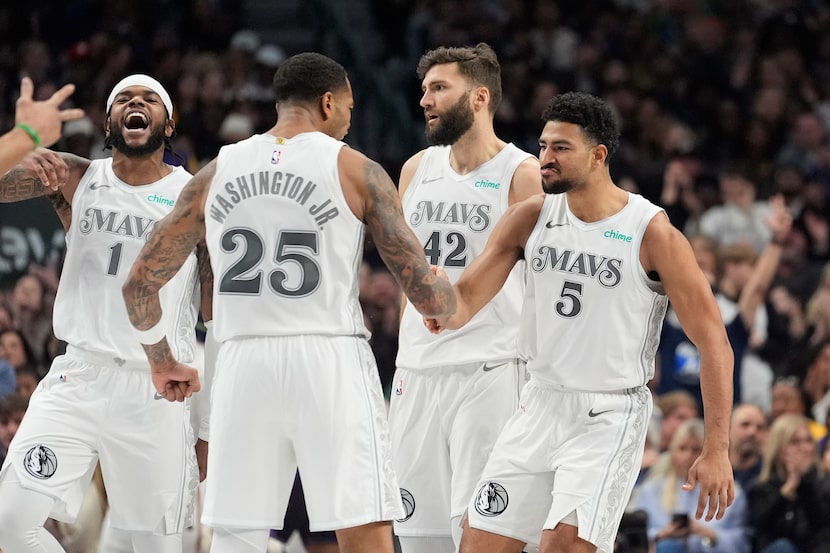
(27, 380)
(787, 514)
(675, 408)
(817, 380)
(747, 435)
(672, 525)
(15, 349)
(706, 254)
(743, 281)
(12, 408)
(789, 397)
(741, 217)
(32, 312)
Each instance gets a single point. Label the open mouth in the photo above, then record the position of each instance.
(136, 120)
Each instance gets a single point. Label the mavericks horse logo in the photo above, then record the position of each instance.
(41, 462)
(408, 505)
(491, 499)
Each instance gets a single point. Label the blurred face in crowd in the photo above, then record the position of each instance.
(8, 428)
(12, 349)
(786, 398)
(799, 451)
(28, 293)
(672, 420)
(685, 453)
(446, 103)
(747, 431)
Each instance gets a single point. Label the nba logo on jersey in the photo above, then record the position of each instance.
(62, 377)
(275, 157)
(399, 388)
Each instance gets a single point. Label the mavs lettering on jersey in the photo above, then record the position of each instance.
(475, 216)
(607, 270)
(122, 224)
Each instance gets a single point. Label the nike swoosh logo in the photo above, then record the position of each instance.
(551, 224)
(593, 413)
(96, 186)
(426, 181)
(158, 396)
(488, 367)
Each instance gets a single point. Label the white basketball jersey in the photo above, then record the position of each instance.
(452, 216)
(284, 245)
(111, 221)
(591, 318)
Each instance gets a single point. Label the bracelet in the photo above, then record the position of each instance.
(152, 335)
(30, 131)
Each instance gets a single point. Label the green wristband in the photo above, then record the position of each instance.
(30, 131)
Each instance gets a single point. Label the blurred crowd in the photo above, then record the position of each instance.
(725, 112)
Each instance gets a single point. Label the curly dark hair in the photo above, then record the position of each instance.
(478, 64)
(307, 76)
(590, 113)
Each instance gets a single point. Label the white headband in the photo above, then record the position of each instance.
(145, 81)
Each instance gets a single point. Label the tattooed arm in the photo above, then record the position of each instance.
(173, 239)
(373, 198)
(45, 173)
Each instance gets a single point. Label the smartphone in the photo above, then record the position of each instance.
(681, 520)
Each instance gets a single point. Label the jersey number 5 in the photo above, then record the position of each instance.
(292, 247)
(570, 302)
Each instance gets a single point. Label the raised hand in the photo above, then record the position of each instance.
(45, 118)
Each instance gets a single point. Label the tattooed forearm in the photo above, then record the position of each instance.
(159, 354)
(20, 184)
(400, 250)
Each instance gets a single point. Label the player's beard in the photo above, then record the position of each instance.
(559, 186)
(154, 142)
(453, 124)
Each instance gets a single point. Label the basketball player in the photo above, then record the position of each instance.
(454, 392)
(97, 401)
(601, 265)
(296, 384)
(36, 123)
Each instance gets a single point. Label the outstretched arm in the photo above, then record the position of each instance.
(666, 251)
(54, 175)
(396, 243)
(488, 272)
(173, 239)
(36, 123)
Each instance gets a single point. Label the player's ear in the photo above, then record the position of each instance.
(327, 105)
(170, 128)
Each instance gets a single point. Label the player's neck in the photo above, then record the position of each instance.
(140, 170)
(476, 147)
(596, 201)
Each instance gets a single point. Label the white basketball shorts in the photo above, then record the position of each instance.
(313, 402)
(563, 452)
(89, 409)
(444, 421)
